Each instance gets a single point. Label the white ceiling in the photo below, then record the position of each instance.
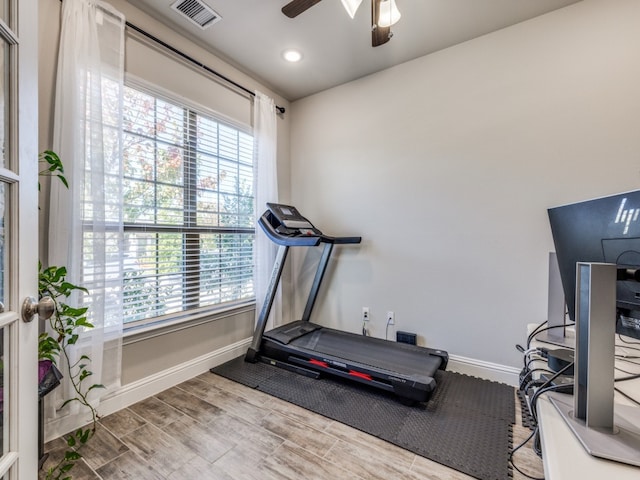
(253, 34)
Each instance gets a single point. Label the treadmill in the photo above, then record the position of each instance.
(310, 349)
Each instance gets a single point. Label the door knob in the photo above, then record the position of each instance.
(43, 308)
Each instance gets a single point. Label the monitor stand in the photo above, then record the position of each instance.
(591, 417)
(558, 334)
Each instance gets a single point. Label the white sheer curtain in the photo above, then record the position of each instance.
(266, 190)
(85, 227)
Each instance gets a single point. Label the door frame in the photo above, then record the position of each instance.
(21, 460)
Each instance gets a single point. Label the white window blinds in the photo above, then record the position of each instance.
(188, 209)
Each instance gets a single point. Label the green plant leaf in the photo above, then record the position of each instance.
(83, 322)
(68, 401)
(72, 455)
(53, 167)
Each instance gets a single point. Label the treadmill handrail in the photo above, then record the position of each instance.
(340, 240)
(300, 240)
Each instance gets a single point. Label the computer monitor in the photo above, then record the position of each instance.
(603, 230)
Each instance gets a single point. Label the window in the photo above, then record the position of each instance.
(187, 210)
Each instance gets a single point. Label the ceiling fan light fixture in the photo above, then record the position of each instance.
(389, 13)
(351, 6)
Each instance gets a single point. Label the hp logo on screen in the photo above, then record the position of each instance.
(626, 215)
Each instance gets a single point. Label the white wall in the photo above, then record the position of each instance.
(446, 166)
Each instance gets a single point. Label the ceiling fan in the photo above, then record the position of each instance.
(384, 13)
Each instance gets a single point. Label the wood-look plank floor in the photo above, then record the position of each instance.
(210, 428)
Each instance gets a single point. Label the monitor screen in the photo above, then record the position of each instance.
(605, 230)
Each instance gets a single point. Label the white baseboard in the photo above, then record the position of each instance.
(144, 388)
(486, 370)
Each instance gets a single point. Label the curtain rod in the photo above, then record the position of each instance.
(280, 110)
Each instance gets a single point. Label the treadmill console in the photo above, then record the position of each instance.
(289, 221)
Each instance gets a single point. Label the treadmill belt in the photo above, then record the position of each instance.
(392, 356)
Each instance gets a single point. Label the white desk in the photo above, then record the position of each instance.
(564, 457)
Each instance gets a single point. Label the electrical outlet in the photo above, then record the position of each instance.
(391, 318)
(365, 314)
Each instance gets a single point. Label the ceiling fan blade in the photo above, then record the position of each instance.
(296, 7)
(379, 35)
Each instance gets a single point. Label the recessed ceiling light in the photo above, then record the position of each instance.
(292, 55)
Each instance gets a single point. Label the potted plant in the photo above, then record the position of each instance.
(63, 330)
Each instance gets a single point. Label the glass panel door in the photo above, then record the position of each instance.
(4, 10)
(4, 363)
(3, 396)
(5, 84)
(18, 238)
(7, 319)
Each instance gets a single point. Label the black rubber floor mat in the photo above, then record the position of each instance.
(466, 425)
(527, 419)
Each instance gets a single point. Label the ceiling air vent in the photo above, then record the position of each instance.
(197, 12)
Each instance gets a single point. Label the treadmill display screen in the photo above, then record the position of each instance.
(290, 217)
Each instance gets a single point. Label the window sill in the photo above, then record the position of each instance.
(134, 334)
